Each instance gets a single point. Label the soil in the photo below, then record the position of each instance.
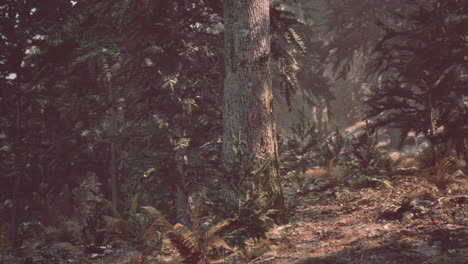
(410, 222)
(403, 220)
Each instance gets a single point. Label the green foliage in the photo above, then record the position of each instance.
(360, 161)
(334, 149)
(229, 197)
(40, 246)
(96, 59)
(251, 224)
(367, 154)
(351, 30)
(43, 252)
(134, 228)
(422, 74)
(248, 181)
(100, 64)
(250, 253)
(367, 161)
(426, 159)
(301, 147)
(246, 220)
(286, 45)
(405, 210)
(440, 174)
(194, 244)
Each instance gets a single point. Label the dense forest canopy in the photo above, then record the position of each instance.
(134, 120)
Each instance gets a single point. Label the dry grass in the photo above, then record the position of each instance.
(335, 175)
(315, 173)
(332, 175)
(252, 251)
(442, 174)
(438, 175)
(426, 159)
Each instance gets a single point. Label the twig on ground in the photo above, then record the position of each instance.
(388, 196)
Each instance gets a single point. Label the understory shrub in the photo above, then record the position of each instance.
(367, 163)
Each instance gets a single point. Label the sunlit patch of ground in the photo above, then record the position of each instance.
(340, 225)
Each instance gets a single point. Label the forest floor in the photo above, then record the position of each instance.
(409, 221)
(406, 220)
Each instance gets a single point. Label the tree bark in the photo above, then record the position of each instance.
(248, 98)
(113, 160)
(15, 211)
(182, 184)
(17, 199)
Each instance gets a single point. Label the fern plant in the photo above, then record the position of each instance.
(134, 227)
(441, 174)
(193, 244)
(286, 44)
(252, 224)
(301, 146)
(333, 149)
(118, 226)
(368, 163)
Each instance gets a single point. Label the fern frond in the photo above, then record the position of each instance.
(103, 65)
(114, 211)
(215, 242)
(180, 236)
(185, 244)
(151, 233)
(122, 17)
(296, 40)
(215, 229)
(159, 219)
(122, 226)
(198, 213)
(289, 82)
(119, 227)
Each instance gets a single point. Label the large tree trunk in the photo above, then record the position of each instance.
(248, 98)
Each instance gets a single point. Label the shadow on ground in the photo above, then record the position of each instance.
(443, 246)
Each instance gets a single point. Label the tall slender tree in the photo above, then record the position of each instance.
(248, 101)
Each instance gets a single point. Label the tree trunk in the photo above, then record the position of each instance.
(325, 119)
(182, 184)
(432, 131)
(319, 114)
(248, 98)
(17, 199)
(15, 211)
(113, 160)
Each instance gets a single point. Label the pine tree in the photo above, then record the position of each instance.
(248, 99)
